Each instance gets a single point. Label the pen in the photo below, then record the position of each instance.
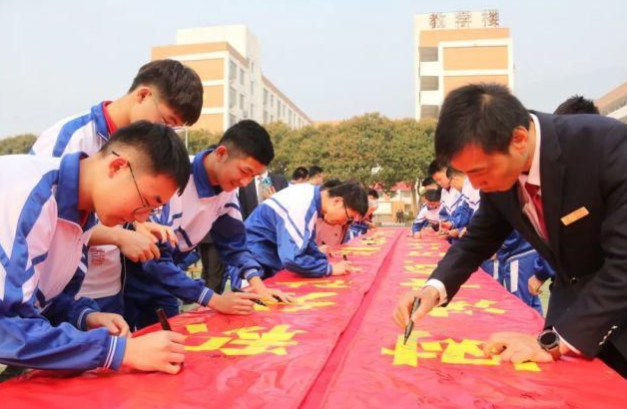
(239, 290)
(410, 326)
(163, 319)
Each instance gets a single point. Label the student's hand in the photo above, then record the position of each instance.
(453, 233)
(341, 268)
(269, 294)
(137, 247)
(266, 193)
(234, 303)
(534, 284)
(115, 323)
(516, 347)
(446, 225)
(463, 232)
(429, 299)
(158, 351)
(325, 249)
(156, 231)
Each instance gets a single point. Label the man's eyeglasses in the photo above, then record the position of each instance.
(145, 204)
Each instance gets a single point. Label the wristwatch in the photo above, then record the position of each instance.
(550, 342)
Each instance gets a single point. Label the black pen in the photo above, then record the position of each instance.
(410, 326)
(163, 319)
(345, 257)
(165, 324)
(239, 290)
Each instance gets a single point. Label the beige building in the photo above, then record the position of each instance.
(228, 61)
(455, 49)
(614, 103)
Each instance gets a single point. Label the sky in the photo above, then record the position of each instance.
(334, 58)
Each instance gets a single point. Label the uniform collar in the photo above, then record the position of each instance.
(100, 121)
(67, 191)
(201, 178)
(318, 200)
(533, 178)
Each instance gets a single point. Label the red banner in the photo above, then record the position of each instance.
(442, 365)
(268, 359)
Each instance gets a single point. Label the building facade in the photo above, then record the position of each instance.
(228, 61)
(614, 103)
(455, 49)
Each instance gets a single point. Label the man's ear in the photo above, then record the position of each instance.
(222, 152)
(520, 139)
(141, 93)
(116, 163)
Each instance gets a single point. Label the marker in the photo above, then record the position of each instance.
(344, 257)
(163, 319)
(239, 290)
(410, 326)
(165, 324)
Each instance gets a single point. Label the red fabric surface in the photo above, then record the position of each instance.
(368, 378)
(280, 377)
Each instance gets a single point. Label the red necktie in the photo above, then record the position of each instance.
(536, 199)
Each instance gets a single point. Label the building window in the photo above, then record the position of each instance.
(272, 100)
(265, 97)
(278, 109)
(252, 88)
(232, 120)
(241, 76)
(265, 117)
(428, 54)
(429, 83)
(232, 71)
(252, 111)
(232, 97)
(241, 101)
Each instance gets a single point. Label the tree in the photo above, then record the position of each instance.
(17, 144)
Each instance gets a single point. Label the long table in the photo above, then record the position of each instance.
(338, 347)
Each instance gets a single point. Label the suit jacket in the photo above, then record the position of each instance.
(248, 194)
(583, 163)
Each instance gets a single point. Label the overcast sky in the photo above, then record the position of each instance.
(334, 58)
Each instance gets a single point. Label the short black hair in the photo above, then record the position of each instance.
(451, 171)
(161, 149)
(354, 195)
(484, 115)
(248, 138)
(433, 195)
(179, 86)
(436, 166)
(373, 193)
(577, 104)
(300, 173)
(314, 170)
(427, 181)
(328, 184)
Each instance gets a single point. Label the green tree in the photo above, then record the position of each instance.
(17, 144)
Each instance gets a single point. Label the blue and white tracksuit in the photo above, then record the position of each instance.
(202, 208)
(427, 217)
(42, 244)
(469, 202)
(87, 133)
(281, 232)
(355, 229)
(516, 261)
(450, 199)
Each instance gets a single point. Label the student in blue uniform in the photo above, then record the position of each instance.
(357, 228)
(449, 195)
(163, 91)
(47, 217)
(468, 204)
(208, 204)
(282, 230)
(429, 214)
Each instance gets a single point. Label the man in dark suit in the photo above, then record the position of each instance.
(561, 181)
(259, 190)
